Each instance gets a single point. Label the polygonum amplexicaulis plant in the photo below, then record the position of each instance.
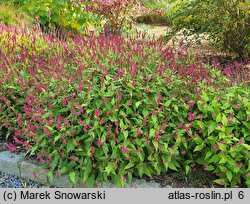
(102, 108)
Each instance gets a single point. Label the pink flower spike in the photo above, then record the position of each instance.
(190, 104)
(117, 131)
(191, 116)
(101, 121)
(183, 152)
(99, 142)
(206, 168)
(124, 149)
(118, 96)
(133, 83)
(11, 147)
(42, 160)
(155, 112)
(201, 130)
(180, 124)
(128, 158)
(159, 99)
(201, 118)
(216, 147)
(92, 150)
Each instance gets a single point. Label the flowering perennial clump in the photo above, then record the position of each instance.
(103, 108)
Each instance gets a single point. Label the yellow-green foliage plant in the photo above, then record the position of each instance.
(10, 15)
(61, 15)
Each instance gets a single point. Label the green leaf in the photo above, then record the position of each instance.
(218, 118)
(167, 103)
(49, 128)
(201, 124)
(63, 110)
(57, 137)
(70, 146)
(229, 175)
(156, 144)
(117, 181)
(121, 124)
(223, 159)
(212, 126)
(130, 177)
(215, 158)
(222, 147)
(199, 147)
(125, 133)
(187, 169)
(146, 171)
(113, 101)
(24, 74)
(140, 171)
(230, 161)
(204, 96)
(50, 176)
(176, 108)
(247, 124)
(172, 166)
(91, 181)
(155, 121)
(219, 181)
(129, 165)
(224, 119)
(151, 133)
(247, 146)
(138, 103)
(33, 149)
(87, 172)
(222, 135)
(208, 154)
(109, 168)
(63, 170)
(73, 177)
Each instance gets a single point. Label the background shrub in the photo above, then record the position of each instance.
(114, 13)
(227, 22)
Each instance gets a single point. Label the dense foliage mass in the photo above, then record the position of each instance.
(115, 13)
(113, 107)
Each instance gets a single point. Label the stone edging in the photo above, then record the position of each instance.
(17, 165)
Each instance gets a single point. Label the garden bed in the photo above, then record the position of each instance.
(105, 107)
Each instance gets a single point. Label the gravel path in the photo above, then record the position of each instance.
(9, 181)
